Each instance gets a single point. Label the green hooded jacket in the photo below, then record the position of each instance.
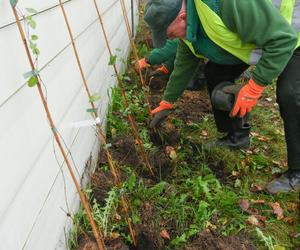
(255, 21)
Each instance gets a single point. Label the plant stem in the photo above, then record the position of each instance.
(84, 201)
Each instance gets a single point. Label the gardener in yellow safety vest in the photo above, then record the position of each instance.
(233, 34)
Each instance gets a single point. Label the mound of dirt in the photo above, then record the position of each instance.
(192, 106)
(162, 164)
(218, 168)
(214, 241)
(148, 232)
(86, 242)
(101, 182)
(123, 150)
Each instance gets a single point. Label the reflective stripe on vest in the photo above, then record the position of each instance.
(296, 16)
(290, 10)
(230, 41)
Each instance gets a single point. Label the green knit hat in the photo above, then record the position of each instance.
(159, 14)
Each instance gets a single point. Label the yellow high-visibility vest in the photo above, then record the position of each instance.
(230, 41)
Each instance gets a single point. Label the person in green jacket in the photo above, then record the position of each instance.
(164, 52)
(233, 34)
(163, 56)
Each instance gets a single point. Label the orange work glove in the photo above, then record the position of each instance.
(245, 98)
(162, 69)
(142, 63)
(160, 113)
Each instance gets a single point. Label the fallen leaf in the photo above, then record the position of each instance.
(204, 133)
(295, 235)
(255, 188)
(169, 149)
(137, 142)
(277, 210)
(261, 218)
(173, 155)
(165, 235)
(290, 220)
(169, 126)
(244, 204)
(210, 226)
(292, 207)
(269, 99)
(259, 137)
(114, 235)
(118, 217)
(235, 173)
(258, 201)
(276, 163)
(255, 221)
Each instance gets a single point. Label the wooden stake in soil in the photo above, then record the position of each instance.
(134, 51)
(130, 117)
(114, 170)
(97, 234)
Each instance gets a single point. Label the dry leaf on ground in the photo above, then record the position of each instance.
(258, 201)
(255, 188)
(245, 206)
(292, 207)
(256, 220)
(165, 235)
(290, 220)
(277, 210)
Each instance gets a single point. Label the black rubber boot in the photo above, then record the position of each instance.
(236, 139)
(289, 181)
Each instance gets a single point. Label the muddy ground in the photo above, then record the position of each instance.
(191, 107)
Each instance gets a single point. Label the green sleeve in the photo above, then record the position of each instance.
(260, 23)
(184, 68)
(164, 54)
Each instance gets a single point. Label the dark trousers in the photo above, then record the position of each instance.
(288, 98)
(216, 74)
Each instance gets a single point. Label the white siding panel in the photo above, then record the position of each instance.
(31, 185)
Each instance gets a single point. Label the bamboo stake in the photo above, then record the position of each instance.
(97, 234)
(114, 170)
(130, 117)
(134, 51)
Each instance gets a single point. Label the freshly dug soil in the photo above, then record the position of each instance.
(220, 172)
(157, 84)
(123, 150)
(116, 244)
(148, 232)
(102, 183)
(86, 243)
(192, 106)
(162, 164)
(214, 241)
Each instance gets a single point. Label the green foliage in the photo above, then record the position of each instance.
(94, 98)
(32, 81)
(268, 241)
(112, 60)
(31, 10)
(92, 111)
(31, 22)
(104, 215)
(32, 77)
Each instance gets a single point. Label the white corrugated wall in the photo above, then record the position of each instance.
(33, 192)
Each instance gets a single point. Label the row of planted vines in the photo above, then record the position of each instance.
(160, 189)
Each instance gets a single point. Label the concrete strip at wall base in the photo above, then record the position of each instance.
(32, 188)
